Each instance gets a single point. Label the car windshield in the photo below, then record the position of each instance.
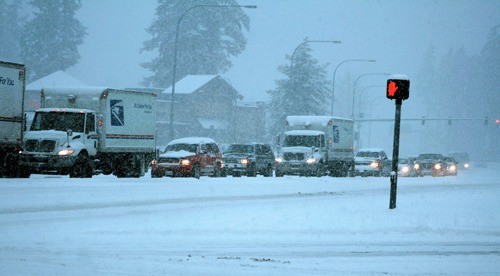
(182, 147)
(430, 156)
(302, 141)
(240, 149)
(370, 154)
(58, 121)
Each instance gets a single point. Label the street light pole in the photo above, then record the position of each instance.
(174, 70)
(335, 72)
(355, 85)
(370, 123)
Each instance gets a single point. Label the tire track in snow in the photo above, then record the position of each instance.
(167, 201)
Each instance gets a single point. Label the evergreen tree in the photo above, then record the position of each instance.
(50, 40)
(10, 29)
(305, 90)
(207, 38)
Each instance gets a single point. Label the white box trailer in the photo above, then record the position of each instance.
(12, 91)
(315, 145)
(83, 130)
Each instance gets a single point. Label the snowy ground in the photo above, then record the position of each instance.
(253, 226)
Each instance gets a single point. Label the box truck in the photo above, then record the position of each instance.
(12, 91)
(83, 131)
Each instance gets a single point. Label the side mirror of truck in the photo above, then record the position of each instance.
(69, 132)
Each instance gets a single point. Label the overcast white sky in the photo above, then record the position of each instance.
(395, 33)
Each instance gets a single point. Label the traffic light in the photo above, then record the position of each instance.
(398, 89)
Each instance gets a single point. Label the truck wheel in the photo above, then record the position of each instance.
(252, 172)
(82, 167)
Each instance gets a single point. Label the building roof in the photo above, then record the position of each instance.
(190, 83)
(58, 78)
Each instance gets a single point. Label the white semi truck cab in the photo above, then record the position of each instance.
(101, 130)
(316, 145)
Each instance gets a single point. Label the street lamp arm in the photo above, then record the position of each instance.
(335, 73)
(174, 70)
(356, 84)
(312, 41)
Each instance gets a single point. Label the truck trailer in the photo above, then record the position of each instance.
(82, 131)
(316, 145)
(12, 91)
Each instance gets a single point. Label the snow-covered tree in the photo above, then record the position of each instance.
(207, 38)
(50, 39)
(10, 29)
(304, 91)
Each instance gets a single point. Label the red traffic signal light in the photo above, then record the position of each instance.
(398, 89)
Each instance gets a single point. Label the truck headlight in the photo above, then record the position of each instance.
(437, 167)
(245, 161)
(311, 160)
(278, 159)
(405, 169)
(185, 162)
(416, 166)
(65, 152)
(374, 164)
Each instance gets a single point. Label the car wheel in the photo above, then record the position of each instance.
(196, 171)
(269, 171)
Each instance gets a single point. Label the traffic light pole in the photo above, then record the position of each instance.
(395, 155)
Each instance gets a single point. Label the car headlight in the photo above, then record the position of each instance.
(438, 167)
(65, 152)
(374, 164)
(154, 162)
(416, 166)
(466, 165)
(278, 159)
(452, 168)
(311, 160)
(185, 162)
(245, 161)
(405, 169)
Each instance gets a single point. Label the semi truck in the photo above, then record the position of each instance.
(12, 91)
(82, 131)
(316, 145)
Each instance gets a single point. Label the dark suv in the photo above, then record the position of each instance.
(191, 157)
(248, 159)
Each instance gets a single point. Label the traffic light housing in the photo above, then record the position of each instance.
(398, 89)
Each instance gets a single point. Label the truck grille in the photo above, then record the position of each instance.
(40, 146)
(290, 156)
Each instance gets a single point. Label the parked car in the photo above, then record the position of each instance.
(406, 167)
(248, 159)
(371, 162)
(189, 157)
(430, 164)
(462, 159)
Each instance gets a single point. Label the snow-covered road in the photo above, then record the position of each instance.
(273, 226)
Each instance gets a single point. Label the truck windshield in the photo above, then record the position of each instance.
(58, 121)
(302, 141)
